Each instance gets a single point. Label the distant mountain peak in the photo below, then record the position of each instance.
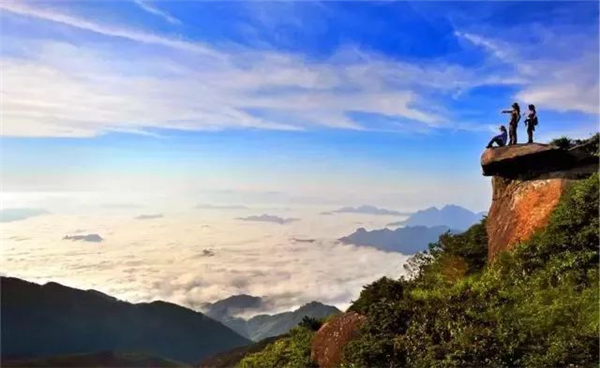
(450, 215)
(406, 240)
(263, 325)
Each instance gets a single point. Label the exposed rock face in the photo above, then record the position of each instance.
(329, 342)
(519, 208)
(528, 181)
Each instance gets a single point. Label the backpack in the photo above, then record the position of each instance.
(535, 120)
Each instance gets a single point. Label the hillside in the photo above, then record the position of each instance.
(263, 326)
(52, 319)
(532, 302)
(103, 359)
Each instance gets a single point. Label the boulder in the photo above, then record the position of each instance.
(531, 160)
(329, 342)
(527, 182)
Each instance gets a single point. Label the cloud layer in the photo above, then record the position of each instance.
(191, 259)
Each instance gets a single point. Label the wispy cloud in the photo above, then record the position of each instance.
(552, 76)
(197, 86)
(155, 11)
(24, 9)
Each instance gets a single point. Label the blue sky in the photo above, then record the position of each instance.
(380, 102)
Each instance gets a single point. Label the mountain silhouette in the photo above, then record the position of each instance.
(452, 216)
(106, 359)
(263, 325)
(406, 240)
(52, 319)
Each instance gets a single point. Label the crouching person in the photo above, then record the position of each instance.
(500, 139)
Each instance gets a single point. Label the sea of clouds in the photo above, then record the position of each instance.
(199, 254)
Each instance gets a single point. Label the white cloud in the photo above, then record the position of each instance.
(155, 11)
(553, 76)
(19, 7)
(76, 91)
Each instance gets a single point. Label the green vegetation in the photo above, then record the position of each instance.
(536, 306)
(291, 351)
(103, 359)
(590, 145)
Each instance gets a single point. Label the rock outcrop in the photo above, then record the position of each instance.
(528, 181)
(329, 342)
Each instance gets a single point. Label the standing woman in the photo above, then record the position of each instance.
(515, 116)
(531, 121)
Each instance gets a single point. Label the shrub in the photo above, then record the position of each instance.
(292, 351)
(562, 142)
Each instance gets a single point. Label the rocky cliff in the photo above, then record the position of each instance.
(527, 183)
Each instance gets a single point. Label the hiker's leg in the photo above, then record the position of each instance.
(530, 135)
(496, 140)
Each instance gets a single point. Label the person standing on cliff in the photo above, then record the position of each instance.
(515, 116)
(500, 139)
(531, 121)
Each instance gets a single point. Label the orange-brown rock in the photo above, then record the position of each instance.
(527, 183)
(329, 342)
(524, 160)
(519, 208)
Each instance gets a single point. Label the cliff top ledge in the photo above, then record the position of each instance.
(523, 161)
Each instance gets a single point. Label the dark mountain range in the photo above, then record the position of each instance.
(406, 240)
(264, 325)
(48, 320)
(454, 217)
(103, 359)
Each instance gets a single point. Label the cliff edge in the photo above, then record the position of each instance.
(527, 183)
